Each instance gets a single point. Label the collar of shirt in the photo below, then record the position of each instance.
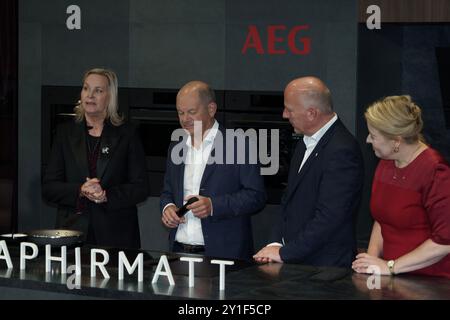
(209, 138)
(314, 139)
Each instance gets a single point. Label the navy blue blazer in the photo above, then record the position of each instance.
(236, 191)
(319, 207)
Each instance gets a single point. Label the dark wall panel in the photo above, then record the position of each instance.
(163, 44)
(401, 59)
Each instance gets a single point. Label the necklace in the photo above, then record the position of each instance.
(397, 170)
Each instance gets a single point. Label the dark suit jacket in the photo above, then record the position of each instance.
(236, 191)
(122, 172)
(319, 207)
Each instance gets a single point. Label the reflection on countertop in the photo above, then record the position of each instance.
(244, 280)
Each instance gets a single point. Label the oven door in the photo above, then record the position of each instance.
(275, 184)
(155, 129)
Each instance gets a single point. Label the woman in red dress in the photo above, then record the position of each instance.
(410, 199)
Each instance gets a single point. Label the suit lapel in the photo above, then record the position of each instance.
(210, 167)
(108, 143)
(77, 140)
(179, 173)
(293, 183)
(296, 161)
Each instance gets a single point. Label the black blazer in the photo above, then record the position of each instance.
(236, 192)
(122, 172)
(319, 207)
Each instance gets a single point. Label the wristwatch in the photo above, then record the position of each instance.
(390, 265)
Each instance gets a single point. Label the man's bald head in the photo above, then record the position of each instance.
(196, 103)
(204, 91)
(307, 105)
(312, 92)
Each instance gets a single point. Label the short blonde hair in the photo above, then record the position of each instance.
(396, 116)
(113, 105)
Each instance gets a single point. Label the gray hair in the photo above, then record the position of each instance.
(320, 99)
(206, 95)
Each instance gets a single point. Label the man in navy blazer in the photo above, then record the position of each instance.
(219, 223)
(318, 211)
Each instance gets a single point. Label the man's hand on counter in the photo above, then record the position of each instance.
(268, 254)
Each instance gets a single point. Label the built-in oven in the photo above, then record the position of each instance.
(262, 111)
(155, 128)
(57, 107)
(153, 111)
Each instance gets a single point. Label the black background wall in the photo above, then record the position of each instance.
(8, 113)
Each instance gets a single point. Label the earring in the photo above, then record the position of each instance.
(396, 148)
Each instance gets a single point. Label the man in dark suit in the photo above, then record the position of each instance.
(219, 223)
(318, 209)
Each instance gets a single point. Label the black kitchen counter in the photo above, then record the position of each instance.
(243, 281)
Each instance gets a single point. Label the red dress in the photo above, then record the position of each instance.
(412, 204)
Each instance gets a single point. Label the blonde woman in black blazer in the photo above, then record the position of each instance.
(97, 171)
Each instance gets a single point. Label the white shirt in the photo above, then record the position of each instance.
(312, 141)
(191, 232)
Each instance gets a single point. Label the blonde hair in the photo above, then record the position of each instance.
(396, 116)
(112, 108)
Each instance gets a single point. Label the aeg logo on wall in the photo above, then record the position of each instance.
(276, 37)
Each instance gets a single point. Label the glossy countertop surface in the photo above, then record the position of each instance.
(243, 280)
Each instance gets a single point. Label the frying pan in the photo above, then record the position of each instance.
(55, 237)
(14, 238)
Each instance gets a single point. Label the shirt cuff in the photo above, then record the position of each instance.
(274, 244)
(169, 204)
